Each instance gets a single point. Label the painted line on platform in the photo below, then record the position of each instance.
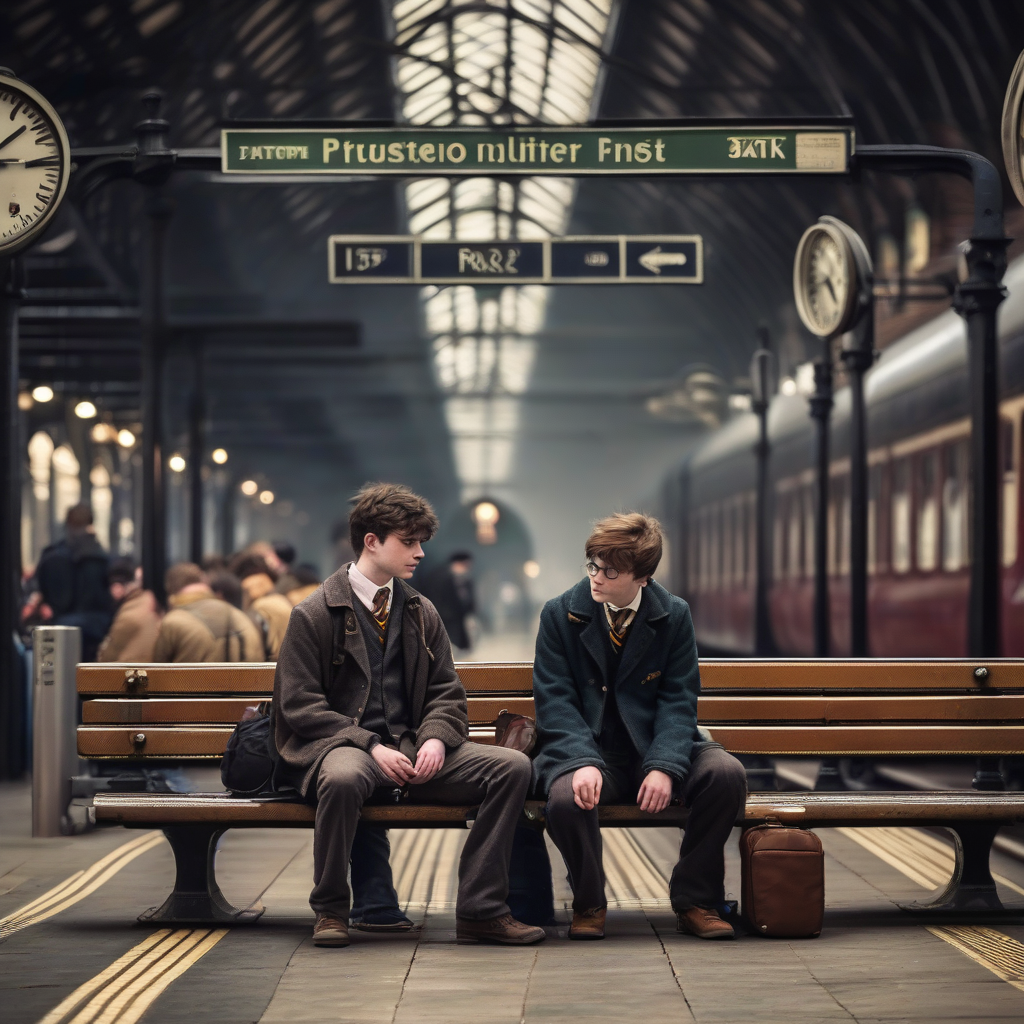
(121, 993)
(79, 885)
(929, 862)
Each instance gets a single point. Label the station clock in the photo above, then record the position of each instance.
(1013, 140)
(829, 274)
(35, 163)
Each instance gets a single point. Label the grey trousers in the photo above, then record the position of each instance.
(714, 791)
(496, 778)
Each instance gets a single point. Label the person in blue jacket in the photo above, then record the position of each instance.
(615, 683)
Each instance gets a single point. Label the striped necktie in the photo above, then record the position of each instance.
(619, 623)
(381, 610)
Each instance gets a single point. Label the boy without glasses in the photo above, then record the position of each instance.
(615, 683)
(366, 696)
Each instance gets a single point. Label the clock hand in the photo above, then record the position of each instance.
(42, 161)
(14, 135)
(832, 290)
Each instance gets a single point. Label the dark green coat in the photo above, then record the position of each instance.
(656, 687)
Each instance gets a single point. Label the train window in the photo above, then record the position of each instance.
(715, 517)
(927, 512)
(693, 553)
(808, 501)
(793, 545)
(1008, 455)
(874, 496)
(752, 541)
(954, 508)
(901, 516)
(705, 549)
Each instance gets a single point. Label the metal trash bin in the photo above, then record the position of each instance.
(57, 650)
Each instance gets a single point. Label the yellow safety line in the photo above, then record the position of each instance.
(123, 992)
(927, 861)
(66, 1005)
(75, 888)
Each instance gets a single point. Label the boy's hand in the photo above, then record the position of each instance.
(655, 792)
(586, 787)
(429, 759)
(394, 764)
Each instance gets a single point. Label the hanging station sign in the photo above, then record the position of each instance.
(603, 259)
(653, 150)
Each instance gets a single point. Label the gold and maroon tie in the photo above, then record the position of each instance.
(381, 610)
(619, 623)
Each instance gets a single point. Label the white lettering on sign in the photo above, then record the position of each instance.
(758, 147)
(626, 153)
(279, 152)
(365, 257)
(487, 261)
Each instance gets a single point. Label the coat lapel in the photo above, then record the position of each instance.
(339, 597)
(641, 633)
(586, 609)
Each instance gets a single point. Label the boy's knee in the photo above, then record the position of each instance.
(731, 777)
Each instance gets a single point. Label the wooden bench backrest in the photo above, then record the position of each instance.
(756, 707)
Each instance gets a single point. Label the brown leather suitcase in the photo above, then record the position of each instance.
(783, 881)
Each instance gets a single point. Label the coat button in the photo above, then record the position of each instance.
(604, 688)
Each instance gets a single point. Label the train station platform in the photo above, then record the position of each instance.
(71, 950)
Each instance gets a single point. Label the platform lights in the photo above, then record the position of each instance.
(85, 410)
(42, 394)
(266, 497)
(486, 516)
(249, 488)
(125, 438)
(176, 463)
(219, 455)
(531, 569)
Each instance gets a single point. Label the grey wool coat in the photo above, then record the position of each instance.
(323, 678)
(656, 687)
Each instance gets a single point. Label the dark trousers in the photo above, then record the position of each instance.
(496, 778)
(373, 888)
(714, 791)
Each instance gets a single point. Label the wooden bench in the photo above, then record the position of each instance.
(175, 714)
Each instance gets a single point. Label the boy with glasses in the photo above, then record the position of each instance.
(615, 683)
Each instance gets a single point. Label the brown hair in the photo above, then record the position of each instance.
(183, 575)
(79, 516)
(628, 541)
(383, 509)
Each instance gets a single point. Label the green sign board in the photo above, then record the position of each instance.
(561, 151)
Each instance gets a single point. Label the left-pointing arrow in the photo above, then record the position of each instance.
(655, 259)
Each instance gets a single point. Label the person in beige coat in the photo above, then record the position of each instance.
(202, 627)
(133, 633)
(268, 609)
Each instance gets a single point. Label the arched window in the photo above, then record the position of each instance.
(67, 487)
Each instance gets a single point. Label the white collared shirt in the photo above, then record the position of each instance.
(365, 589)
(633, 605)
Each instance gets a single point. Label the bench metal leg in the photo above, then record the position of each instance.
(197, 898)
(972, 888)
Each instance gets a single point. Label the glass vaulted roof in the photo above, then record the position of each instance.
(501, 62)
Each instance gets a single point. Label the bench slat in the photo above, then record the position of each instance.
(807, 809)
(257, 679)
(193, 741)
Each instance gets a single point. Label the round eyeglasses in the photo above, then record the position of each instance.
(610, 573)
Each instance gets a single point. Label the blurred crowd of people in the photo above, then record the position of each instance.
(227, 609)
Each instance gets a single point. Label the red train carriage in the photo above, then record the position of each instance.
(918, 508)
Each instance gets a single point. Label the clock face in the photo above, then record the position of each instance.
(824, 280)
(34, 164)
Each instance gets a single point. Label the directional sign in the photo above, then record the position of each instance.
(728, 148)
(608, 259)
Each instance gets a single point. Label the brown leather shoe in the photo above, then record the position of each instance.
(330, 931)
(588, 924)
(504, 931)
(704, 923)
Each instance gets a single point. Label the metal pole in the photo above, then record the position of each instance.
(858, 359)
(977, 300)
(152, 134)
(54, 726)
(762, 388)
(12, 684)
(821, 411)
(196, 444)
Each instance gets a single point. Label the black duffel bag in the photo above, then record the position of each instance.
(251, 757)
